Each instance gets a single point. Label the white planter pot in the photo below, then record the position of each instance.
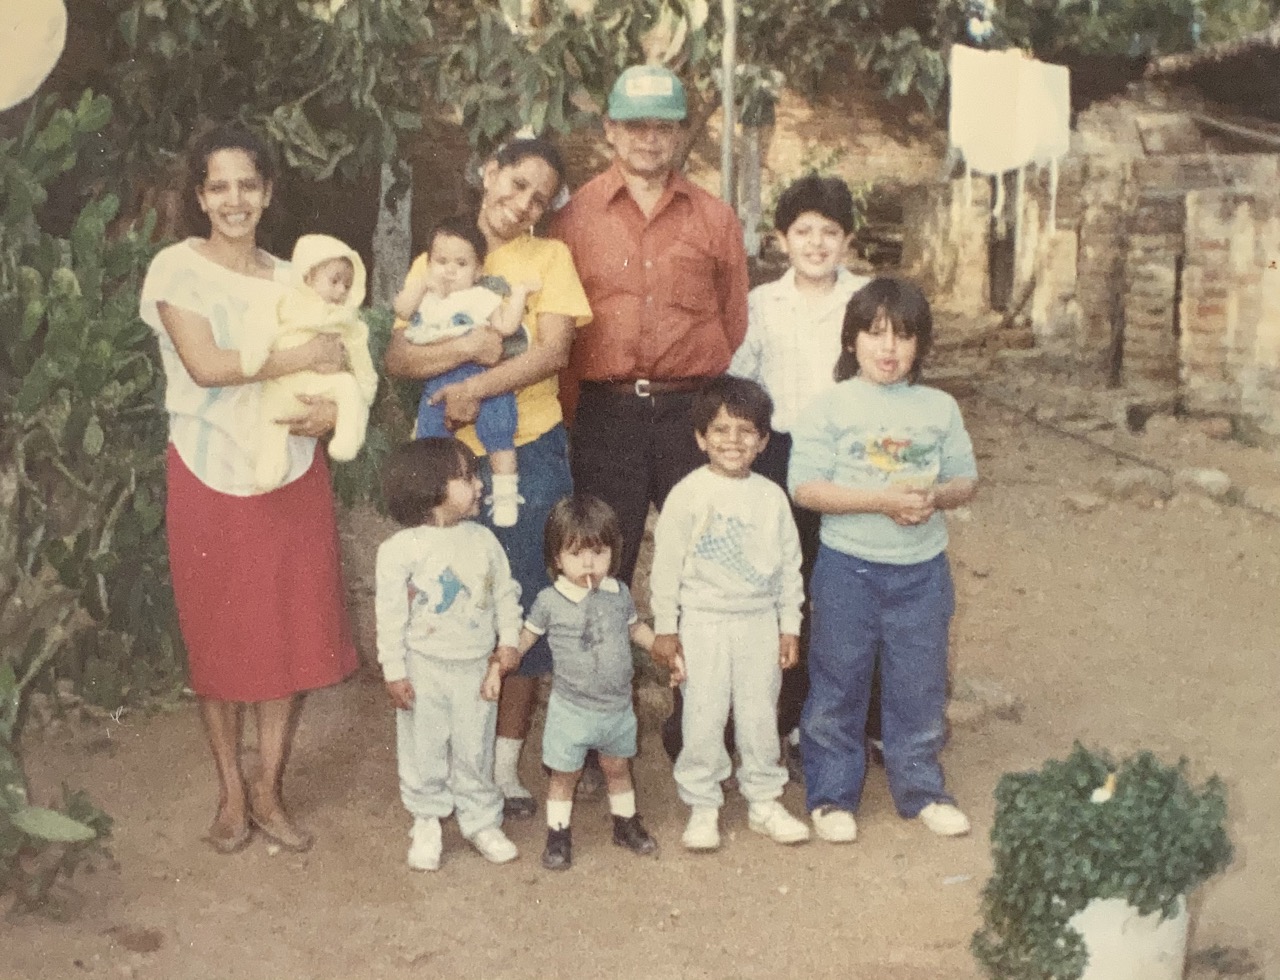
(1124, 945)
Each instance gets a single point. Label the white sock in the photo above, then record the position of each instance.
(506, 761)
(559, 813)
(623, 804)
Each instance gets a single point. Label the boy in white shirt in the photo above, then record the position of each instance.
(726, 594)
(791, 347)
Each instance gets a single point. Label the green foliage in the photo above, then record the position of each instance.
(83, 572)
(553, 69)
(336, 84)
(1154, 840)
(1125, 27)
(391, 420)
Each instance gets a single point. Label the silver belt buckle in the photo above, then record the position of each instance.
(642, 388)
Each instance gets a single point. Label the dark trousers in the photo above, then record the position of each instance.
(630, 451)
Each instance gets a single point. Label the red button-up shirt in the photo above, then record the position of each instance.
(668, 292)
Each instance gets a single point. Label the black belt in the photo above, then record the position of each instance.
(648, 387)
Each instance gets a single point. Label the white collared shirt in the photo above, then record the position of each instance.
(793, 341)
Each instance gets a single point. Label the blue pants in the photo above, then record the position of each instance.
(495, 425)
(544, 479)
(901, 614)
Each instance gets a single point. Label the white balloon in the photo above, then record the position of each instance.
(32, 35)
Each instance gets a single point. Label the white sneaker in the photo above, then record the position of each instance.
(944, 819)
(424, 852)
(835, 826)
(506, 499)
(702, 832)
(506, 511)
(773, 820)
(494, 845)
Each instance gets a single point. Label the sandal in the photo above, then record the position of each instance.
(228, 841)
(279, 830)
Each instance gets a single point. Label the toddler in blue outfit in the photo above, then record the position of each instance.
(449, 299)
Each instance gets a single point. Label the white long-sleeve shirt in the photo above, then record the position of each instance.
(726, 545)
(443, 592)
(793, 341)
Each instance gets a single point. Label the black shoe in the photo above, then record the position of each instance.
(629, 832)
(558, 855)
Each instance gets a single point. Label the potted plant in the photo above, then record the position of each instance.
(1089, 834)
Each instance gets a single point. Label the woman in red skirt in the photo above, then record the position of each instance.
(256, 576)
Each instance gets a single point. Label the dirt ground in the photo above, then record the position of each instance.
(1128, 627)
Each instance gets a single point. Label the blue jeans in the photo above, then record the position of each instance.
(901, 614)
(544, 479)
(495, 424)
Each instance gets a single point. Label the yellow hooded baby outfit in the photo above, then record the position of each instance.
(299, 316)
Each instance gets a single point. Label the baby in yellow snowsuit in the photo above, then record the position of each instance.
(329, 286)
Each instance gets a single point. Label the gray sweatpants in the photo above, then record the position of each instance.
(444, 745)
(732, 662)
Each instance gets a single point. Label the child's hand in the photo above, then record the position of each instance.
(508, 658)
(491, 686)
(666, 651)
(788, 650)
(412, 293)
(530, 285)
(401, 694)
(678, 673)
(907, 506)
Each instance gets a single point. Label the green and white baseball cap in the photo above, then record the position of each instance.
(647, 92)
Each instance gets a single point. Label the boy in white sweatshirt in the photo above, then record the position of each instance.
(726, 594)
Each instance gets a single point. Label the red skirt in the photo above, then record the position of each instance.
(258, 586)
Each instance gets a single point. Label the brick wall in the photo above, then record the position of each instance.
(1230, 310)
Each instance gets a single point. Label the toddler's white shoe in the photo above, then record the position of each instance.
(945, 820)
(424, 851)
(773, 820)
(835, 826)
(494, 845)
(506, 500)
(702, 832)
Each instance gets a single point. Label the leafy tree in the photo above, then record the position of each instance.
(334, 82)
(1127, 27)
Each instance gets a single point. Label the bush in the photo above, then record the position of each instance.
(84, 585)
(1087, 828)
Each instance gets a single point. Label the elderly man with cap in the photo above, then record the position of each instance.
(665, 272)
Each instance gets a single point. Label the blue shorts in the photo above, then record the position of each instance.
(571, 730)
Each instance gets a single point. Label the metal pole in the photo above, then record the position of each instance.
(728, 65)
